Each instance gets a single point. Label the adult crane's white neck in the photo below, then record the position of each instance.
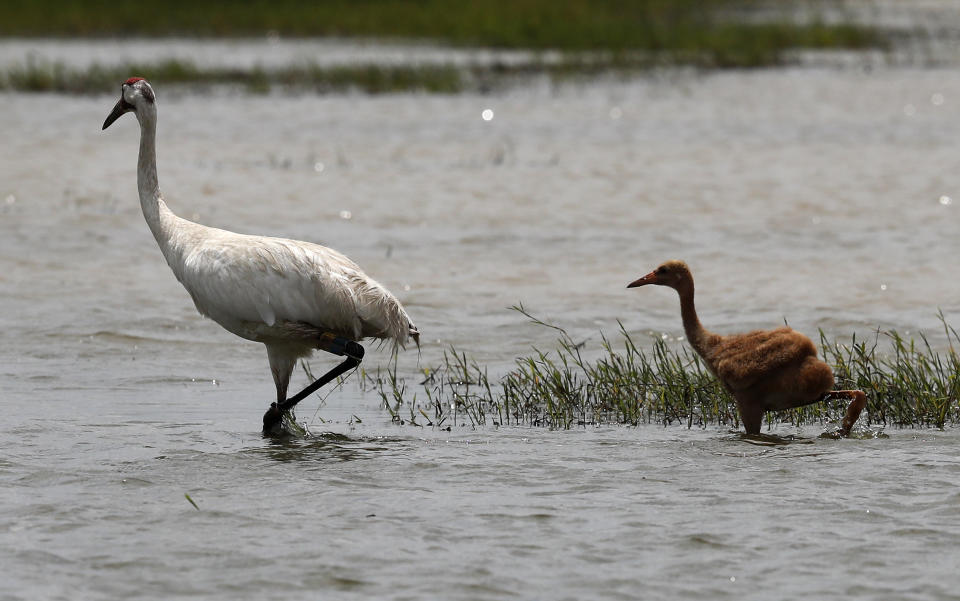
(155, 211)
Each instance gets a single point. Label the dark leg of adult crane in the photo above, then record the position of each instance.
(331, 344)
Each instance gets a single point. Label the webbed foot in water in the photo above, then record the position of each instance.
(858, 434)
(283, 424)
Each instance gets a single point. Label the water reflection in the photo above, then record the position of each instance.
(776, 440)
(325, 447)
(772, 440)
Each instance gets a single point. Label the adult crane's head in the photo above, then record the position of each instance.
(671, 273)
(134, 92)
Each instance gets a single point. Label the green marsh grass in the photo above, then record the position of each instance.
(687, 27)
(593, 37)
(908, 384)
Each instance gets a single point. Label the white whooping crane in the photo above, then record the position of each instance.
(292, 296)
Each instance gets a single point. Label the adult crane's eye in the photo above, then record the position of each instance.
(661, 270)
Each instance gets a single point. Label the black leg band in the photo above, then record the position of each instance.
(338, 345)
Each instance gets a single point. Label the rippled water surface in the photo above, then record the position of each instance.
(828, 198)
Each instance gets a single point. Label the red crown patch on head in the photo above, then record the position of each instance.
(132, 81)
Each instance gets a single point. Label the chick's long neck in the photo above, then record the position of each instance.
(700, 339)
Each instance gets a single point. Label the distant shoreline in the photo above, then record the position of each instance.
(741, 32)
(720, 32)
(41, 76)
(583, 38)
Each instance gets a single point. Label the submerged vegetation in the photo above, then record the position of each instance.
(592, 36)
(907, 382)
(372, 79)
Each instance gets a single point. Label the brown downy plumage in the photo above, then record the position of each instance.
(765, 370)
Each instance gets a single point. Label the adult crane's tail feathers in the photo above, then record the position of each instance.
(415, 334)
(380, 313)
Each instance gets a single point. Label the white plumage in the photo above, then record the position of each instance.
(283, 293)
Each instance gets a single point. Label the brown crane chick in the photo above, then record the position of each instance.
(765, 370)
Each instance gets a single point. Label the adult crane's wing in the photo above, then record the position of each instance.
(270, 280)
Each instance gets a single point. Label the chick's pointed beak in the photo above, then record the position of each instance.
(121, 107)
(650, 278)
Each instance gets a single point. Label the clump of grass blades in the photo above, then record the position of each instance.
(908, 384)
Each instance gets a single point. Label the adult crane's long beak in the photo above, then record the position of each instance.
(650, 278)
(121, 107)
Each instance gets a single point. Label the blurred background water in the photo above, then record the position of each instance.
(824, 194)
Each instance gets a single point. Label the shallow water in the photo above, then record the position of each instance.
(827, 198)
(390, 513)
